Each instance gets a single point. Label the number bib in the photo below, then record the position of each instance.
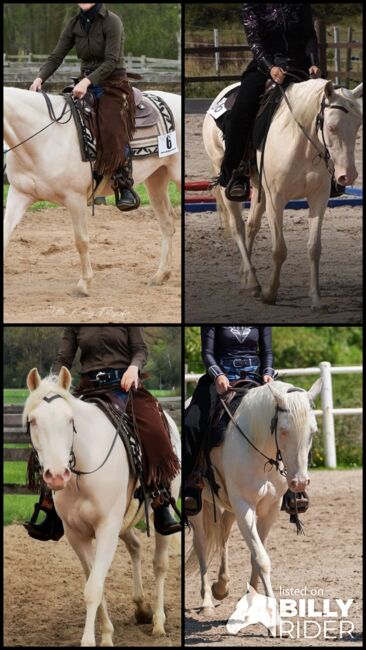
(167, 144)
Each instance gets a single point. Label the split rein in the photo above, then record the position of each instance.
(72, 460)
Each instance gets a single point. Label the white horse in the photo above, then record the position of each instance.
(292, 170)
(102, 506)
(49, 167)
(248, 492)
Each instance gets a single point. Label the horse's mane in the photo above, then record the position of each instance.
(305, 98)
(257, 409)
(47, 385)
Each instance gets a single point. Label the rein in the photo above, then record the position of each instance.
(273, 462)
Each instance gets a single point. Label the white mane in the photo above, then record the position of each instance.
(257, 409)
(47, 385)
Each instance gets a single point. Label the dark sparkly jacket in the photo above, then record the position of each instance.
(280, 29)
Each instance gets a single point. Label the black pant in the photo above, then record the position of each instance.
(196, 421)
(241, 120)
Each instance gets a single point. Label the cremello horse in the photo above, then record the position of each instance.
(49, 167)
(292, 170)
(248, 492)
(102, 506)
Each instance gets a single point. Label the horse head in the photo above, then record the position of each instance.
(49, 416)
(293, 426)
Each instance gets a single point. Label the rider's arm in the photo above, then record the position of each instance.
(64, 45)
(138, 347)
(253, 31)
(265, 351)
(208, 352)
(67, 350)
(307, 24)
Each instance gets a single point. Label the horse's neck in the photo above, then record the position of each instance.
(25, 113)
(305, 103)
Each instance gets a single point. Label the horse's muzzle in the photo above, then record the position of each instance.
(55, 480)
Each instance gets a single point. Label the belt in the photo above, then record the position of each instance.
(106, 375)
(241, 363)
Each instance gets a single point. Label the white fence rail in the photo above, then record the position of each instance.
(326, 370)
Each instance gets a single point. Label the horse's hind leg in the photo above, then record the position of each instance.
(161, 564)
(76, 204)
(16, 205)
(220, 588)
(157, 186)
(143, 611)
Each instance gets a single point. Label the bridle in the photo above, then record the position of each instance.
(272, 462)
(72, 460)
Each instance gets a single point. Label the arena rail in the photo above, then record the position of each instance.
(15, 434)
(204, 202)
(327, 410)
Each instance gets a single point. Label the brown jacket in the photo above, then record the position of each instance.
(102, 346)
(101, 50)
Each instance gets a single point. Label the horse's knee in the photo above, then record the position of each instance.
(279, 253)
(314, 250)
(160, 565)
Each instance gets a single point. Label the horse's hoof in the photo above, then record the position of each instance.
(268, 298)
(143, 615)
(207, 611)
(107, 641)
(159, 278)
(219, 595)
(256, 292)
(82, 288)
(158, 631)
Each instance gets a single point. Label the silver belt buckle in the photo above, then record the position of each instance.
(238, 363)
(99, 376)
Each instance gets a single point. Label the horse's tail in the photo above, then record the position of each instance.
(209, 533)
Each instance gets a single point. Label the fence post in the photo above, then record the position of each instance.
(337, 55)
(217, 54)
(328, 418)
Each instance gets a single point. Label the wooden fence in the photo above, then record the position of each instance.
(340, 76)
(14, 434)
(24, 68)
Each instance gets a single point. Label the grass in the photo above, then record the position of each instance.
(174, 195)
(19, 395)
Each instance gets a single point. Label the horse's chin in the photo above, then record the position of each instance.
(57, 487)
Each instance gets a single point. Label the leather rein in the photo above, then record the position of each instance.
(273, 462)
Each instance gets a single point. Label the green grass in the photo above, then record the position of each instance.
(174, 195)
(19, 395)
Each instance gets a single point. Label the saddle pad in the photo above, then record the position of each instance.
(122, 422)
(159, 139)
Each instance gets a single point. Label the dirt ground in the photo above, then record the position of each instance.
(43, 595)
(329, 557)
(42, 270)
(212, 287)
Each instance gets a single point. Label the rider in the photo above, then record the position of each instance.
(112, 355)
(275, 33)
(229, 353)
(98, 37)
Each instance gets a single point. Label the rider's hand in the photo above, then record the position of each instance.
(277, 74)
(130, 378)
(267, 378)
(36, 85)
(80, 89)
(222, 384)
(314, 71)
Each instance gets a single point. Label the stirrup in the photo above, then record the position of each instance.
(288, 502)
(238, 187)
(50, 529)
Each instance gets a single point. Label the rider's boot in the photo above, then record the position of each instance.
(126, 197)
(164, 522)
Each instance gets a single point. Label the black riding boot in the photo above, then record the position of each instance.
(164, 523)
(51, 527)
(126, 197)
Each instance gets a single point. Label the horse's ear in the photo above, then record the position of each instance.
(64, 378)
(33, 379)
(315, 389)
(277, 394)
(357, 92)
(328, 89)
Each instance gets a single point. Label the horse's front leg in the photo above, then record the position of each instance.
(76, 204)
(279, 250)
(252, 227)
(220, 588)
(237, 229)
(143, 611)
(317, 207)
(105, 548)
(157, 186)
(261, 565)
(16, 205)
(83, 547)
